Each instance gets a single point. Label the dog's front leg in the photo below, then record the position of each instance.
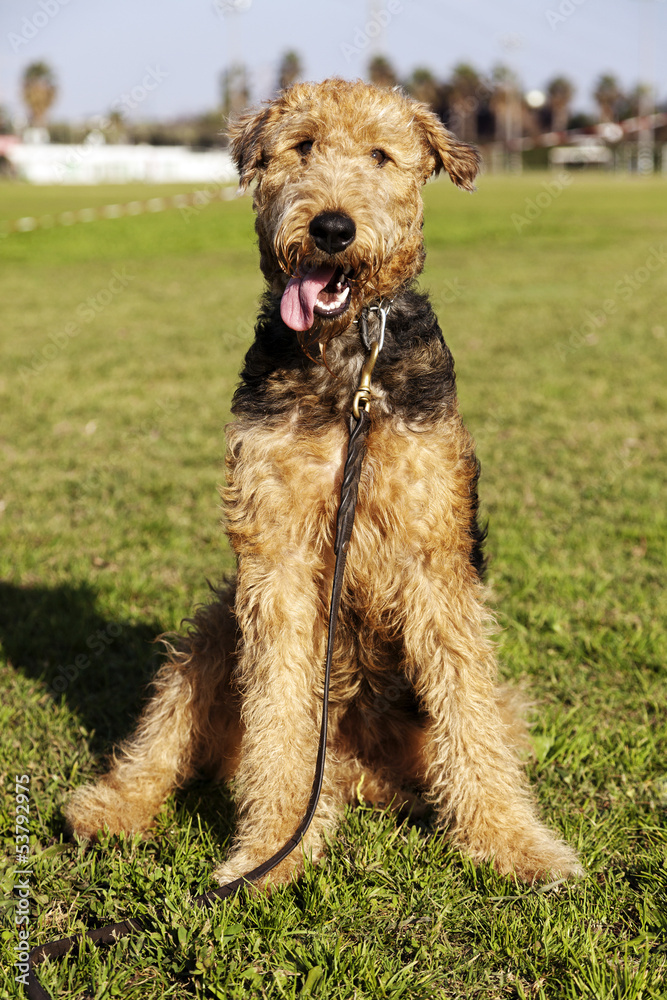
(471, 770)
(280, 676)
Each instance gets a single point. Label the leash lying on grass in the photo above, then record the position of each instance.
(359, 425)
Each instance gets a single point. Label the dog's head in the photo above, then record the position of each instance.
(339, 168)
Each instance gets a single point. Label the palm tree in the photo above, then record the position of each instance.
(608, 96)
(235, 90)
(116, 129)
(423, 86)
(381, 72)
(637, 101)
(5, 122)
(290, 70)
(39, 91)
(465, 90)
(506, 104)
(560, 92)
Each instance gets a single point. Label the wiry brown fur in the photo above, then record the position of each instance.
(415, 707)
(345, 121)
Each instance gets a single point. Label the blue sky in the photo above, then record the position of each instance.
(103, 49)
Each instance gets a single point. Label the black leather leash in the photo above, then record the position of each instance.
(359, 423)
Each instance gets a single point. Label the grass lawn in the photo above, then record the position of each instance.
(121, 342)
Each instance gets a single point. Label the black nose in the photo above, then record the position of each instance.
(332, 231)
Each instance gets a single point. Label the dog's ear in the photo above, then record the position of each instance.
(446, 152)
(245, 134)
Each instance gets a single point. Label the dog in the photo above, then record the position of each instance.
(416, 714)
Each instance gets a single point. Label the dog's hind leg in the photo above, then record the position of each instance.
(191, 722)
(470, 767)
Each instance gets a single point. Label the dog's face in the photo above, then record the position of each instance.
(339, 169)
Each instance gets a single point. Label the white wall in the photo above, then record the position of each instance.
(106, 164)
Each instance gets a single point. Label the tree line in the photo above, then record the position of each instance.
(478, 107)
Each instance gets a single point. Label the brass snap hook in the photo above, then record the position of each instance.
(362, 396)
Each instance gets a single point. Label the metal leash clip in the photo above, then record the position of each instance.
(362, 397)
(382, 308)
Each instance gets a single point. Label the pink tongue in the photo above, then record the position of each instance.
(298, 301)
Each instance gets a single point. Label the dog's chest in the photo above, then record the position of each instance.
(286, 483)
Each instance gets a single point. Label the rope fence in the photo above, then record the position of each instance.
(193, 200)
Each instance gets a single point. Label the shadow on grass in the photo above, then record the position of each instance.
(212, 806)
(100, 667)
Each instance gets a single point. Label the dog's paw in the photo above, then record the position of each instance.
(244, 862)
(94, 808)
(538, 858)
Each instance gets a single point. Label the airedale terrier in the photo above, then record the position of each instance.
(416, 715)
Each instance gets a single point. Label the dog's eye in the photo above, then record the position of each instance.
(379, 156)
(305, 147)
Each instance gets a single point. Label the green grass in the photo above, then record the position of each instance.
(111, 443)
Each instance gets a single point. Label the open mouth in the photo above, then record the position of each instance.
(323, 291)
(335, 296)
